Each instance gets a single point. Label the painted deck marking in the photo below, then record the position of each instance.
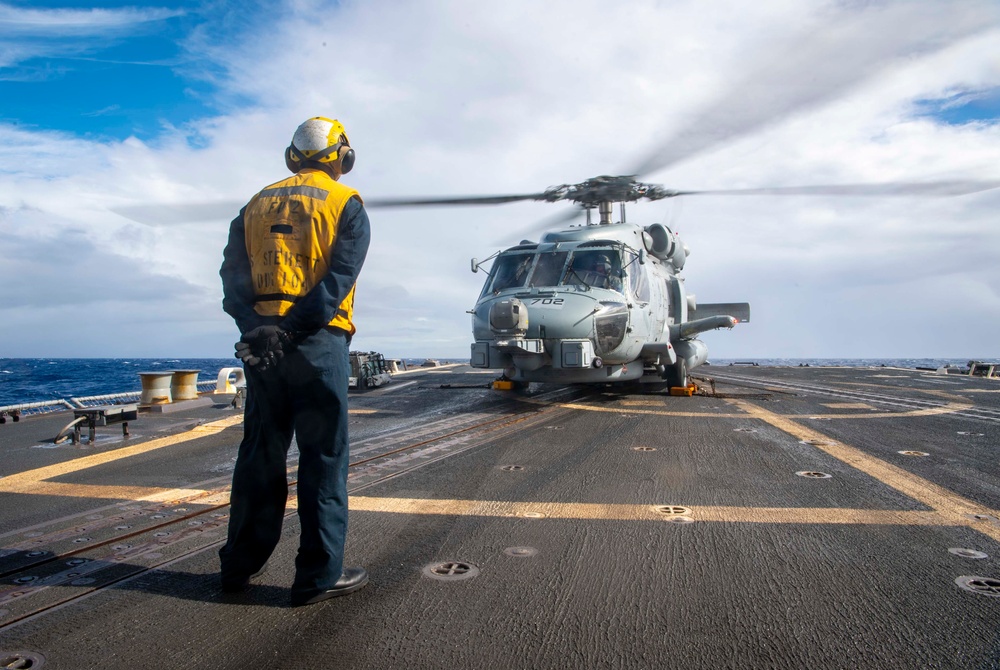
(30, 481)
(619, 512)
(848, 405)
(949, 408)
(951, 507)
(948, 509)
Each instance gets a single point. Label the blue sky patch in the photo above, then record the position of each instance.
(961, 108)
(106, 70)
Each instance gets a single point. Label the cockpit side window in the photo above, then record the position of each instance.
(638, 281)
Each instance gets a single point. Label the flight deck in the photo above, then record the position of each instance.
(779, 518)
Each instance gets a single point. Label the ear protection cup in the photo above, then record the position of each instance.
(346, 159)
(290, 162)
(345, 154)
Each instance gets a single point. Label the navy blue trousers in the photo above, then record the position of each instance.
(304, 395)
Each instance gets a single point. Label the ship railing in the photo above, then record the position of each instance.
(63, 404)
(107, 398)
(38, 407)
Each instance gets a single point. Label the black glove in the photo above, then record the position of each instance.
(262, 347)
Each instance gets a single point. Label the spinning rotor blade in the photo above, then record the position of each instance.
(554, 221)
(557, 219)
(175, 214)
(460, 200)
(817, 65)
(929, 189)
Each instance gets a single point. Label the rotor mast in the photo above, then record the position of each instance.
(604, 209)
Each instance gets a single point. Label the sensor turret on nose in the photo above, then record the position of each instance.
(509, 317)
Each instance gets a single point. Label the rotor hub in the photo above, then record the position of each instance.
(593, 192)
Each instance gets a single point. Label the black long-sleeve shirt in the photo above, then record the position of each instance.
(318, 307)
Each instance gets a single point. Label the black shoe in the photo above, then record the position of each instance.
(351, 580)
(239, 584)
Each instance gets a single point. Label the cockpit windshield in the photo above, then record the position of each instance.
(597, 268)
(525, 270)
(511, 271)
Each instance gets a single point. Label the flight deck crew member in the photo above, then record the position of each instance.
(288, 277)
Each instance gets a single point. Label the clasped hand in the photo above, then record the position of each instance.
(262, 347)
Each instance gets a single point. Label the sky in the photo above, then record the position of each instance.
(131, 133)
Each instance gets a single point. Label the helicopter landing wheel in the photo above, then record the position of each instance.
(677, 374)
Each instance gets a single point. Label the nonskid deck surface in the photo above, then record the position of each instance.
(823, 517)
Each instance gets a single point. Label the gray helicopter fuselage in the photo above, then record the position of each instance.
(590, 304)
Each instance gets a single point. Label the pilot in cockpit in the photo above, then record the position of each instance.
(600, 273)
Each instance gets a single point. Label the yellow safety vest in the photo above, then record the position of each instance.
(290, 230)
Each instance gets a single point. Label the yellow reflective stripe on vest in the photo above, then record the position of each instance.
(308, 191)
(290, 229)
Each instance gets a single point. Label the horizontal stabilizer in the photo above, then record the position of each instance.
(692, 328)
(737, 310)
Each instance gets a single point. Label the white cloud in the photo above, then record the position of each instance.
(60, 22)
(27, 33)
(447, 98)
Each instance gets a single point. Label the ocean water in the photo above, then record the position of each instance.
(24, 380)
(911, 363)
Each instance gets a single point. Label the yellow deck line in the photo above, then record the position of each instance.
(847, 405)
(28, 482)
(111, 492)
(620, 512)
(953, 507)
(634, 410)
(948, 508)
(949, 408)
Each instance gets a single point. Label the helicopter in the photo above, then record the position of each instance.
(602, 302)
(599, 303)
